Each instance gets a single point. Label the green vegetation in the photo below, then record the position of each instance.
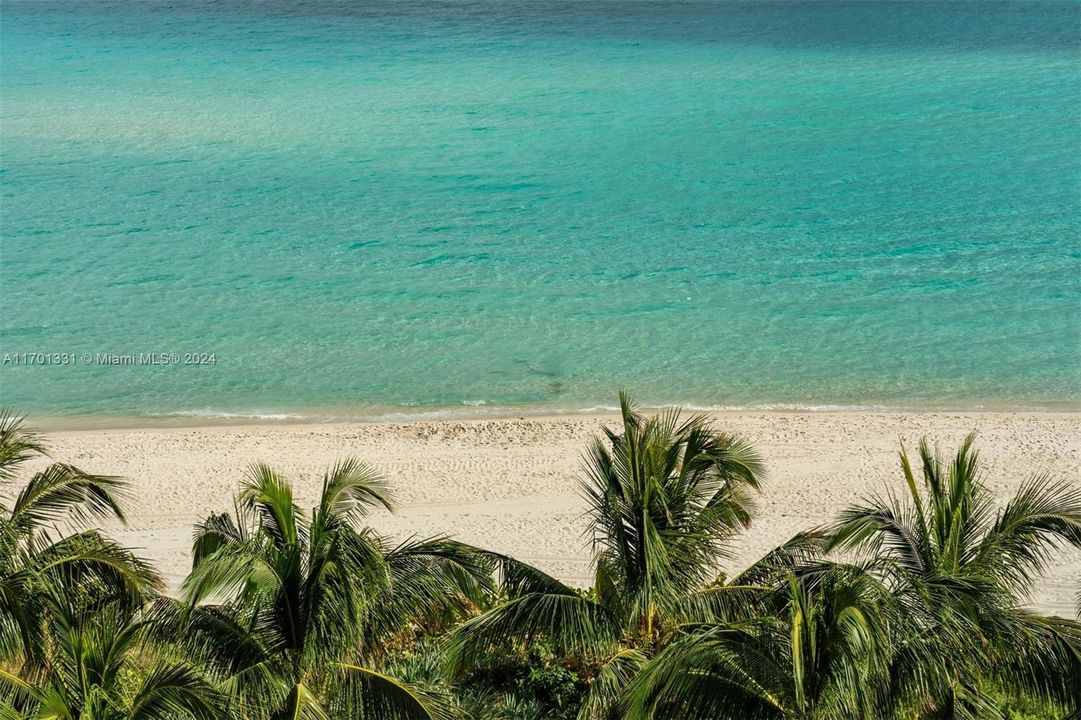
(908, 606)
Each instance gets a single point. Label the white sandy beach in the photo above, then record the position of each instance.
(511, 485)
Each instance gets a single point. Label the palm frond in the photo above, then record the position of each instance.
(15, 692)
(271, 497)
(173, 690)
(572, 625)
(435, 579)
(517, 578)
(351, 488)
(214, 533)
(958, 572)
(800, 550)
(302, 703)
(611, 682)
(883, 528)
(718, 672)
(63, 493)
(327, 604)
(1043, 659)
(229, 571)
(723, 603)
(215, 637)
(18, 444)
(379, 695)
(1043, 515)
(88, 557)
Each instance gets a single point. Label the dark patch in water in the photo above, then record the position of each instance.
(23, 331)
(146, 280)
(446, 258)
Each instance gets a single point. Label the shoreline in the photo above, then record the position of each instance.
(469, 412)
(511, 485)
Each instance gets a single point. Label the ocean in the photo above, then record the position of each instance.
(395, 208)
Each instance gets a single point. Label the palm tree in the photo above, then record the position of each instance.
(70, 646)
(962, 570)
(107, 665)
(816, 646)
(48, 538)
(310, 605)
(664, 496)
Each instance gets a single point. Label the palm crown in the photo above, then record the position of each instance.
(308, 599)
(813, 643)
(960, 569)
(70, 601)
(664, 495)
(47, 540)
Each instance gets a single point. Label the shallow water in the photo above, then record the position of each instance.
(388, 205)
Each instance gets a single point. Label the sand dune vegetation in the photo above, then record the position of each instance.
(909, 606)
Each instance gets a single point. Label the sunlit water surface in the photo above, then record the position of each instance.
(398, 206)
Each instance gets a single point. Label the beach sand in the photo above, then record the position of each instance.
(512, 485)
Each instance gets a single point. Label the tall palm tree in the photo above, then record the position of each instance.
(664, 496)
(297, 610)
(48, 538)
(962, 570)
(816, 647)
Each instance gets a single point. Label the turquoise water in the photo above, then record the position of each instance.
(360, 207)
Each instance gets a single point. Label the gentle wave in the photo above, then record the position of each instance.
(483, 411)
(223, 415)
